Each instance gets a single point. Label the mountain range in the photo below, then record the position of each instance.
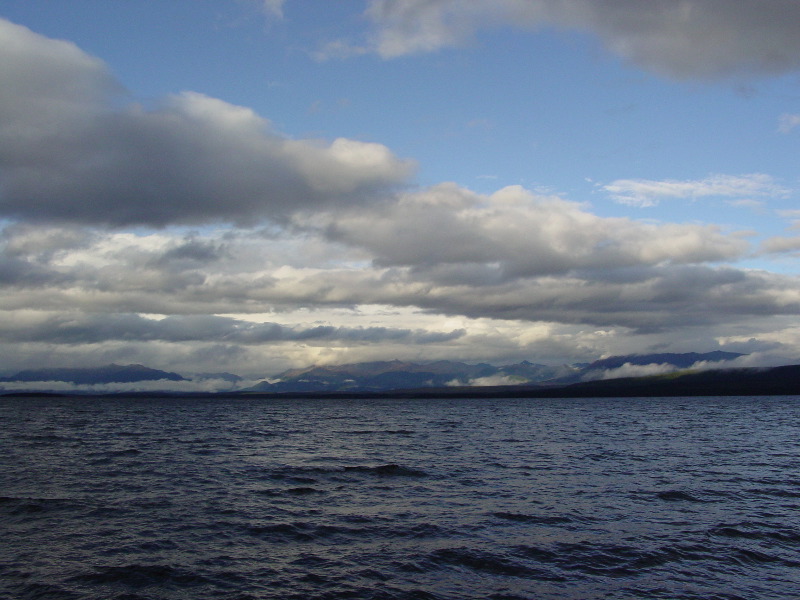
(394, 375)
(367, 377)
(112, 373)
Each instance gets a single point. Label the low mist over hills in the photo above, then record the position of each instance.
(366, 377)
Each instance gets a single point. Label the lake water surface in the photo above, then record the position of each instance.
(226, 498)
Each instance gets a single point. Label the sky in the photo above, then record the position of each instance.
(252, 185)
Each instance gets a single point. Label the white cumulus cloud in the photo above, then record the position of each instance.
(68, 153)
(513, 233)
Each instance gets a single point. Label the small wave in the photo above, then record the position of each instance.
(447, 423)
(313, 560)
(294, 479)
(755, 531)
(421, 530)
(312, 474)
(154, 502)
(303, 491)
(205, 451)
(44, 438)
(534, 519)
(140, 576)
(28, 506)
(297, 532)
(157, 546)
(610, 560)
(678, 496)
(357, 519)
(500, 465)
(115, 453)
(293, 474)
(125, 452)
(390, 470)
(47, 591)
(537, 554)
(489, 563)
(374, 575)
(415, 595)
(775, 492)
(599, 456)
(376, 432)
(748, 558)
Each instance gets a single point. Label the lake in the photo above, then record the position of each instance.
(231, 498)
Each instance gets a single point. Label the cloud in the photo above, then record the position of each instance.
(273, 7)
(490, 380)
(765, 357)
(160, 385)
(478, 239)
(687, 39)
(93, 328)
(335, 241)
(190, 252)
(756, 205)
(71, 151)
(339, 49)
(780, 245)
(445, 250)
(104, 299)
(631, 370)
(787, 122)
(648, 192)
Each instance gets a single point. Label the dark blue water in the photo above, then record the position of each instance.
(134, 499)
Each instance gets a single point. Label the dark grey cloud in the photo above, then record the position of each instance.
(71, 151)
(190, 253)
(27, 254)
(42, 244)
(23, 273)
(683, 39)
(669, 298)
(92, 328)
